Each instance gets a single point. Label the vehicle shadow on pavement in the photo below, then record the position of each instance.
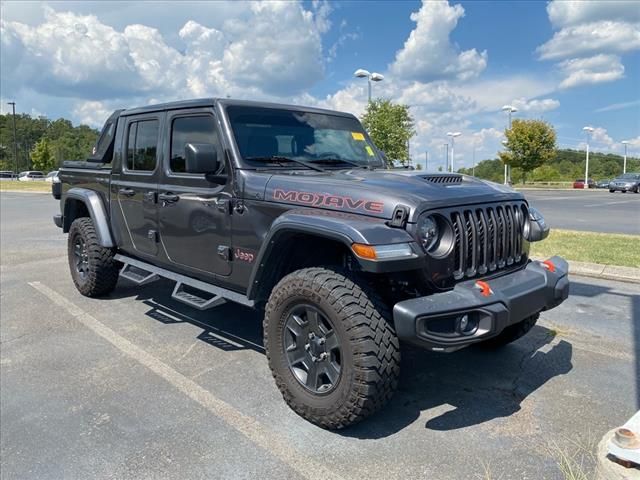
(228, 327)
(468, 387)
(456, 390)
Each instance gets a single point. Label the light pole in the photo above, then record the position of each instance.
(371, 77)
(426, 161)
(588, 131)
(446, 156)
(453, 136)
(624, 165)
(509, 109)
(473, 170)
(15, 137)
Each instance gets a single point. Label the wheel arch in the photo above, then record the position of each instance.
(82, 202)
(305, 246)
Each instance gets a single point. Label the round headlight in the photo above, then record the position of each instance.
(428, 232)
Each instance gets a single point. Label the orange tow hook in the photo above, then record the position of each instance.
(549, 265)
(485, 289)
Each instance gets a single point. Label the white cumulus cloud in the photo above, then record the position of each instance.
(587, 71)
(428, 53)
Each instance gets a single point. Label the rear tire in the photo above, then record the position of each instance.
(93, 269)
(511, 333)
(612, 191)
(332, 351)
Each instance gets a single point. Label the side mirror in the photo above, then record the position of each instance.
(201, 158)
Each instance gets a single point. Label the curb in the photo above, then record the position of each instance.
(23, 191)
(607, 272)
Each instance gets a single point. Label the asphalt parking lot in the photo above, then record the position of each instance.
(591, 210)
(138, 386)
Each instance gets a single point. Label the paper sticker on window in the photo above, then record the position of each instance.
(357, 136)
(369, 150)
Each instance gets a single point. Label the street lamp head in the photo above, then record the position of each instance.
(453, 134)
(376, 77)
(509, 108)
(588, 129)
(504, 142)
(361, 73)
(625, 142)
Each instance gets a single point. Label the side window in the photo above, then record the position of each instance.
(192, 129)
(142, 143)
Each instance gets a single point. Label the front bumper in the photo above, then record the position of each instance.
(433, 321)
(621, 188)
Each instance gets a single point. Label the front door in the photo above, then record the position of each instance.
(194, 214)
(136, 186)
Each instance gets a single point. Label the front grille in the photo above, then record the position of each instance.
(487, 238)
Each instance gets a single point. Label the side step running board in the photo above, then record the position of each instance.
(142, 273)
(195, 301)
(137, 275)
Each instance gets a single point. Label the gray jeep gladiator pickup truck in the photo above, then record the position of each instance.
(291, 210)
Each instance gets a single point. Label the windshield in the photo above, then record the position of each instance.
(277, 134)
(630, 176)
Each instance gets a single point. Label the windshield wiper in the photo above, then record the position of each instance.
(280, 159)
(335, 161)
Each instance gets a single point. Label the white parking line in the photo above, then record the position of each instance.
(608, 203)
(247, 426)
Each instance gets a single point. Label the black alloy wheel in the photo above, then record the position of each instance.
(313, 349)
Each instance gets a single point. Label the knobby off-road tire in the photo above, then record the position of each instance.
(511, 333)
(93, 269)
(353, 321)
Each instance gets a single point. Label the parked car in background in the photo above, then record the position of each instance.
(6, 175)
(30, 176)
(52, 177)
(603, 184)
(628, 182)
(580, 183)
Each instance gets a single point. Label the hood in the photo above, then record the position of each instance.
(377, 193)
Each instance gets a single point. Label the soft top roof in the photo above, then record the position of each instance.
(210, 102)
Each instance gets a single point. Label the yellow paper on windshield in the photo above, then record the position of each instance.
(357, 136)
(369, 150)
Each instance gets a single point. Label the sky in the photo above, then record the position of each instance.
(456, 64)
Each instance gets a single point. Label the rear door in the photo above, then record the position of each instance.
(194, 214)
(136, 187)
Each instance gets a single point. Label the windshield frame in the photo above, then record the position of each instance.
(376, 161)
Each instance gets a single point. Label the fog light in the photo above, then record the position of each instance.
(467, 325)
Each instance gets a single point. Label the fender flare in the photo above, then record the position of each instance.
(97, 211)
(342, 228)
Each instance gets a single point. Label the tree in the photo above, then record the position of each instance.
(530, 144)
(390, 126)
(41, 156)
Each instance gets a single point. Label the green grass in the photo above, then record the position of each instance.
(602, 248)
(25, 186)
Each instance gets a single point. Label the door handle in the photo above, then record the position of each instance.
(127, 192)
(168, 197)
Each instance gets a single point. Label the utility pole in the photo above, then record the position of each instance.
(15, 137)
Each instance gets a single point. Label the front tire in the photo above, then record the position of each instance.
(332, 351)
(93, 268)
